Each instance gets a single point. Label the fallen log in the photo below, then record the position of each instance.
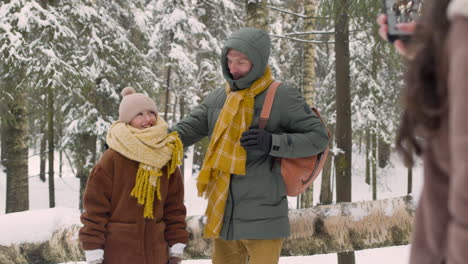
(321, 229)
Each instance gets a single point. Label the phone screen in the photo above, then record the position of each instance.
(400, 11)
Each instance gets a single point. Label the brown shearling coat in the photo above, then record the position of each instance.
(440, 233)
(113, 220)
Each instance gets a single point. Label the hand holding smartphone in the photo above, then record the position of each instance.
(400, 13)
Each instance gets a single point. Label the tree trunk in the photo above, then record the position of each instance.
(346, 257)
(2, 136)
(60, 139)
(257, 14)
(361, 136)
(309, 83)
(85, 160)
(343, 131)
(182, 113)
(343, 160)
(317, 230)
(368, 158)
(15, 146)
(168, 93)
(60, 163)
(410, 180)
(374, 167)
(383, 152)
(50, 140)
(307, 197)
(174, 110)
(182, 107)
(43, 154)
(326, 189)
(310, 77)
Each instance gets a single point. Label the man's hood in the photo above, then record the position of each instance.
(254, 43)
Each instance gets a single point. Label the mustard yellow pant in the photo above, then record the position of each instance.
(251, 251)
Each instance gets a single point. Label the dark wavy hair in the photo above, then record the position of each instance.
(425, 92)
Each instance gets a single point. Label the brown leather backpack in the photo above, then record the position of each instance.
(298, 173)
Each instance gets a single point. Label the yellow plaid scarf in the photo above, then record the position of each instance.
(225, 155)
(153, 147)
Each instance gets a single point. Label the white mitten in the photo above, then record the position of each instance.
(177, 250)
(95, 256)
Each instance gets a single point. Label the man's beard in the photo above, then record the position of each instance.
(236, 76)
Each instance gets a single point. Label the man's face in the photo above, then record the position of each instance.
(238, 63)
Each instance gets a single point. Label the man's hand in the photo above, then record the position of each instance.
(399, 45)
(174, 260)
(256, 139)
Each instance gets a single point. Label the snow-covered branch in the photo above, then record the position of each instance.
(302, 40)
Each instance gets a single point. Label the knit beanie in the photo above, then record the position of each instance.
(134, 103)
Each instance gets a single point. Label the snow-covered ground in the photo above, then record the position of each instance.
(392, 182)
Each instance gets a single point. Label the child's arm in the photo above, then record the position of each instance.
(96, 203)
(174, 215)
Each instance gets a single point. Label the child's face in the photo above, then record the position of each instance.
(144, 120)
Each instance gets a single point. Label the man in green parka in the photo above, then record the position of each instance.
(247, 212)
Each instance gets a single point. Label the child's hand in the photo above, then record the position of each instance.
(399, 45)
(174, 260)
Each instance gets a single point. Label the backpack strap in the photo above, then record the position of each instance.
(270, 97)
(266, 109)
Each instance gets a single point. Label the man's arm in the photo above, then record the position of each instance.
(305, 134)
(194, 126)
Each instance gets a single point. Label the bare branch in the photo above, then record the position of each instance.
(295, 14)
(303, 40)
(284, 11)
(315, 32)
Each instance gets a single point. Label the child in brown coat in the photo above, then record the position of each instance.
(134, 210)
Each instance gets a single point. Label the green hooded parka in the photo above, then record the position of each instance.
(257, 206)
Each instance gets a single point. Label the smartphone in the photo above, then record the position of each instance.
(400, 11)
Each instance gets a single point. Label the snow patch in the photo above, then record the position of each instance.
(35, 226)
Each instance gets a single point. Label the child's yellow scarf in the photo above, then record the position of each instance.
(225, 155)
(154, 148)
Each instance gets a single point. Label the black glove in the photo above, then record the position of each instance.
(256, 139)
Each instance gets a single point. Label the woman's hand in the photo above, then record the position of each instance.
(399, 45)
